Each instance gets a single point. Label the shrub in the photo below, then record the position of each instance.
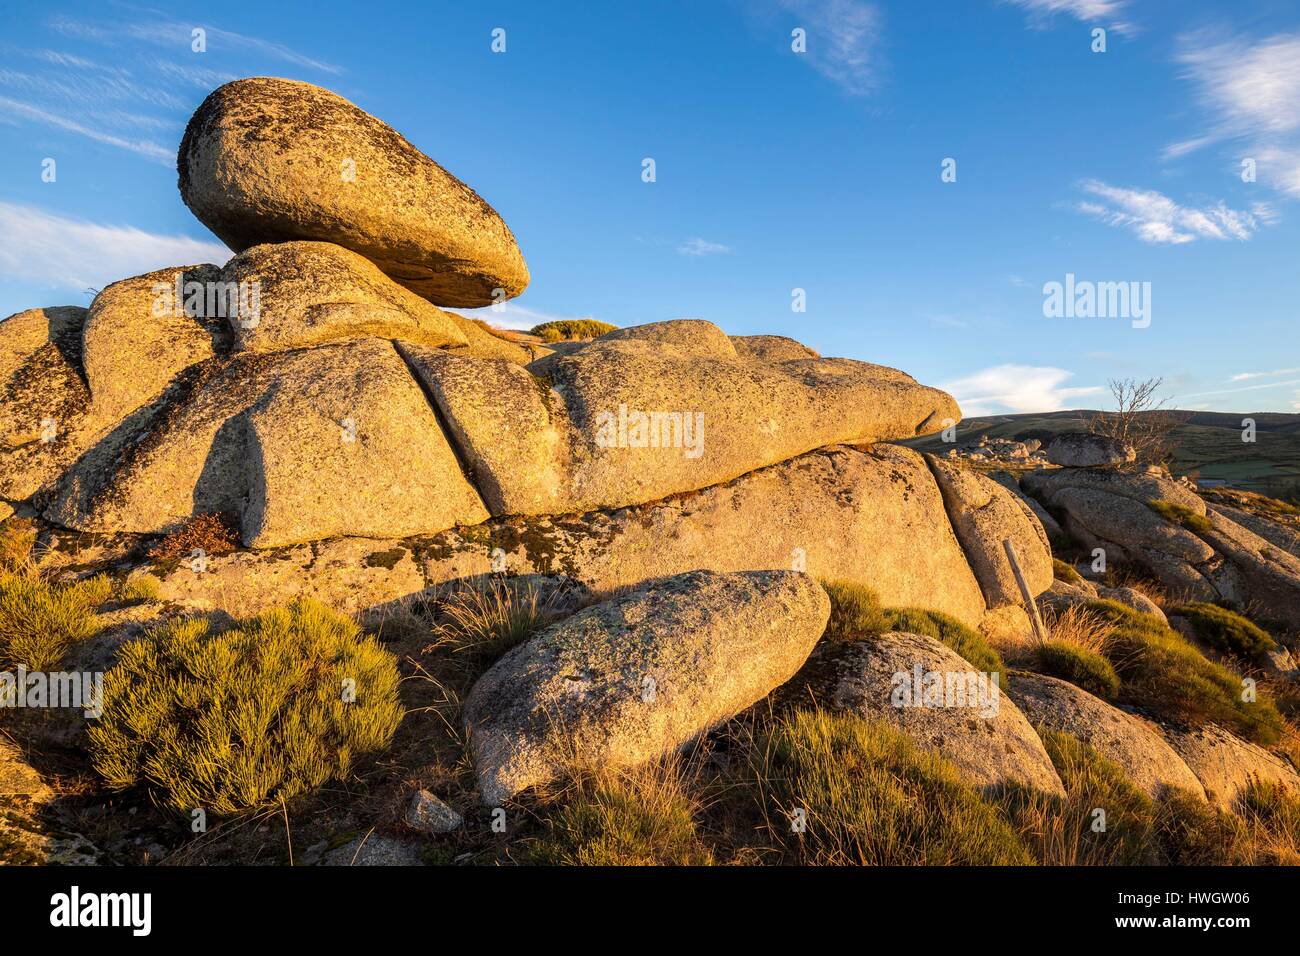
(247, 718)
(1182, 515)
(484, 621)
(1065, 572)
(870, 796)
(17, 538)
(139, 587)
(39, 620)
(1080, 666)
(1226, 631)
(209, 532)
(641, 817)
(562, 329)
(856, 614)
(1161, 671)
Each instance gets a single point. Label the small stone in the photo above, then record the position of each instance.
(428, 814)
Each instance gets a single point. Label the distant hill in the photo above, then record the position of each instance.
(1208, 445)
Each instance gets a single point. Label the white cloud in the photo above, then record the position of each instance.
(1156, 218)
(1244, 376)
(1244, 388)
(513, 316)
(1088, 11)
(843, 40)
(144, 147)
(64, 253)
(1015, 388)
(701, 247)
(1250, 89)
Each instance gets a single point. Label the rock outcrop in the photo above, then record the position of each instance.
(635, 677)
(1226, 765)
(1198, 553)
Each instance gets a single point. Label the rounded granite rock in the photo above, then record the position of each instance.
(272, 160)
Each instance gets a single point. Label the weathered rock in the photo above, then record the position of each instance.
(292, 442)
(933, 695)
(770, 348)
(43, 398)
(984, 515)
(428, 814)
(272, 160)
(309, 293)
(1012, 484)
(373, 849)
(686, 336)
(840, 513)
(1226, 765)
(1083, 450)
(625, 681)
(1133, 598)
(481, 343)
(1144, 755)
(141, 332)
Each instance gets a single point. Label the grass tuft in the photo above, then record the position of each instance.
(838, 789)
(484, 621)
(1082, 667)
(856, 615)
(1182, 516)
(1065, 572)
(1226, 631)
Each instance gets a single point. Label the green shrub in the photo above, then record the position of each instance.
(856, 614)
(1080, 666)
(39, 620)
(868, 795)
(1182, 515)
(1065, 572)
(637, 818)
(1226, 631)
(1094, 783)
(1160, 671)
(247, 718)
(562, 329)
(139, 587)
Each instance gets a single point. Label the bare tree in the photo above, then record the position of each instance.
(1140, 419)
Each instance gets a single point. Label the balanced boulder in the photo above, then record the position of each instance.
(631, 679)
(273, 160)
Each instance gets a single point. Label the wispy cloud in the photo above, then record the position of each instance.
(514, 316)
(144, 147)
(1246, 376)
(1016, 388)
(1250, 90)
(843, 40)
(1104, 12)
(61, 252)
(1154, 217)
(177, 35)
(1244, 388)
(702, 247)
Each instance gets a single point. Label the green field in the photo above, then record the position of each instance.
(1207, 445)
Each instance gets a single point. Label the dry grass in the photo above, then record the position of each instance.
(17, 538)
(482, 622)
(1078, 626)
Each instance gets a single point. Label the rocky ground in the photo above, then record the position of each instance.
(665, 595)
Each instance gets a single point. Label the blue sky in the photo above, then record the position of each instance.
(775, 170)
